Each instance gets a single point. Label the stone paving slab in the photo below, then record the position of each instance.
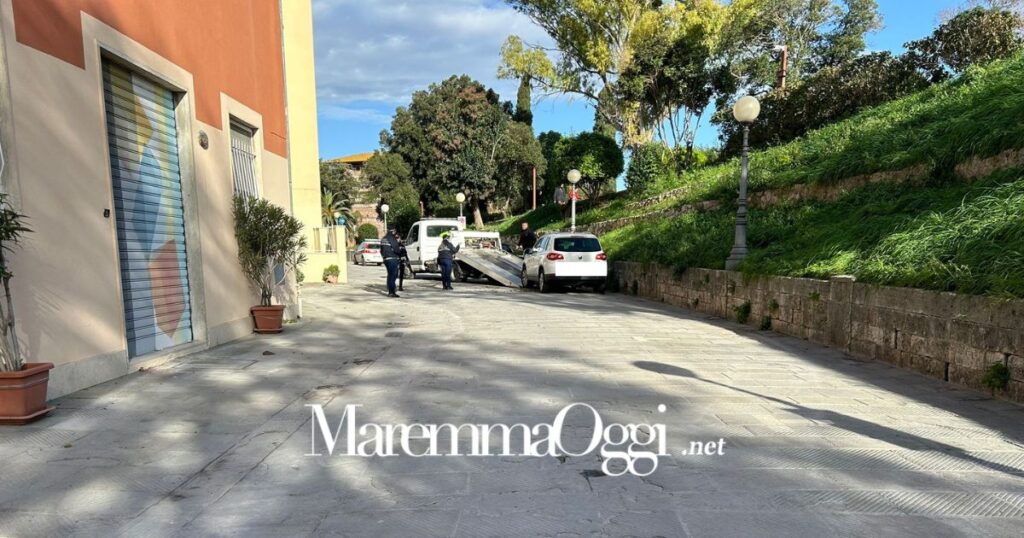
(817, 444)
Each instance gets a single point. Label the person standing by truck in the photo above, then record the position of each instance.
(404, 266)
(392, 251)
(446, 252)
(527, 238)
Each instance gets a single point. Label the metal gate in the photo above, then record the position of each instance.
(143, 142)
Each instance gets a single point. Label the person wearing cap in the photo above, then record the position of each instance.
(446, 252)
(392, 251)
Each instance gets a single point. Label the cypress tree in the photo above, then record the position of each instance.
(523, 112)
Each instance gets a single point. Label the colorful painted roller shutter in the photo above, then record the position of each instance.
(149, 211)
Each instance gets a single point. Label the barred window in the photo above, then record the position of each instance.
(243, 159)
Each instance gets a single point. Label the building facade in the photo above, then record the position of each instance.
(127, 127)
(365, 209)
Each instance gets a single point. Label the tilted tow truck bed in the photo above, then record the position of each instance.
(481, 253)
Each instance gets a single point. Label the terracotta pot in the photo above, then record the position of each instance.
(23, 393)
(332, 279)
(268, 319)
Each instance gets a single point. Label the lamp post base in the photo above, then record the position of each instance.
(735, 258)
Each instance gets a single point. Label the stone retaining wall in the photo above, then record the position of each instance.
(944, 335)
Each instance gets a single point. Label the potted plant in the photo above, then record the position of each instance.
(331, 274)
(270, 246)
(22, 384)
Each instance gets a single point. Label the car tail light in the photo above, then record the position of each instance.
(602, 256)
(555, 256)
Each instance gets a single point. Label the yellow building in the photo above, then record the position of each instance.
(327, 245)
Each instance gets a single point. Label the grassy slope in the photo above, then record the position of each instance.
(943, 235)
(954, 236)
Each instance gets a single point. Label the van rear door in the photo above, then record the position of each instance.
(412, 245)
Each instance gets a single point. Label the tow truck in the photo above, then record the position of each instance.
(480, 253)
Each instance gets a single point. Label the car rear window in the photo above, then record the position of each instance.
(438, 229)
(577, 244)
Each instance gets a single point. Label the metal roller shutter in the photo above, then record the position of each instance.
(149, 211)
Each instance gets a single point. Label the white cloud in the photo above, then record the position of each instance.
(365, 115)
(379, 52)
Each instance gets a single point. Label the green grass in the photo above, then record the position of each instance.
(952, 236)
(977, 115)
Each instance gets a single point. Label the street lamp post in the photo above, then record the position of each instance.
(574, 177)
(460, 198)
(384, 209)
(745, 111)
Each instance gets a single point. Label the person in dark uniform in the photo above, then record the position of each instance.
(446, 252)
(527, 238)
(405, 265)
(391, 250)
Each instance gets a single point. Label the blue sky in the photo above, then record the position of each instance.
(371, 55)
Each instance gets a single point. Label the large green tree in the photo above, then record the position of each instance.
(596, 156)
(390, 180)
(517, 157)
(816, 33)
(595, 42)
(975, 36)
(457, 136)
(338, 179)
(674, 76)
(549, 179)
(651, 68)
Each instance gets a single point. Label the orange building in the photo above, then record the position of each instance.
(127, 127)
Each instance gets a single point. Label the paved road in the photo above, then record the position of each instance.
(816, 444)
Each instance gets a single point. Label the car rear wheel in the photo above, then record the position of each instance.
(542, 283)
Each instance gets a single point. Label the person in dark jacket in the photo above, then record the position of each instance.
(405, 267)
(392, 251)
(446, 259)
(527, 238)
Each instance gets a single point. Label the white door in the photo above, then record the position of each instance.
(412, 245)
(532, 260)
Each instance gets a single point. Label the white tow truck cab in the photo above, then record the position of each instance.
(422, 241)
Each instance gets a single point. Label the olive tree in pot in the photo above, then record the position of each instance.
(22, 384)
(268, 239)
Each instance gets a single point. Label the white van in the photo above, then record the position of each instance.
(422, 241)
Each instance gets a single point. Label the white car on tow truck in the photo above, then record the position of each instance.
(566, 258)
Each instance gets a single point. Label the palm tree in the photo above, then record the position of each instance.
(332, 204)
